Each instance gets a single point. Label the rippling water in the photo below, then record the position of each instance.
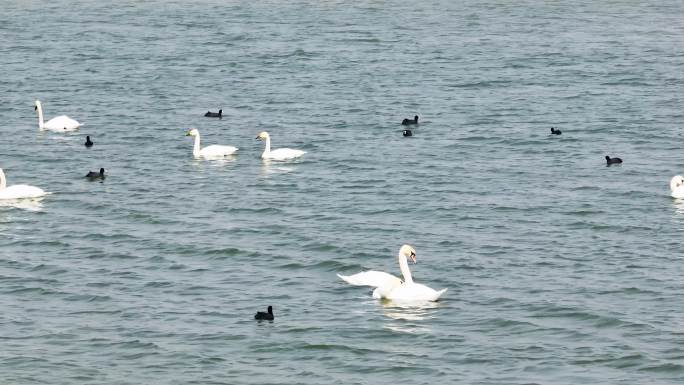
(560, 270)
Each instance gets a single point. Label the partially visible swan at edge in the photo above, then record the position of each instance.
(677, 186)
(390, 287)
(213, 151)
(58, 124)
(279, 154)
(18, 191)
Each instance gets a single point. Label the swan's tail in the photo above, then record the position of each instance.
(439, 294)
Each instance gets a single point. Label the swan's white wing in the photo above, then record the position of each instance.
(21, 191)
(414, 292)
(217, 151)
(61, 123)
(371, 278)
(284, 153)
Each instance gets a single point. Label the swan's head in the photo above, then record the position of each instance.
(676, 182)
(192, 132)
(36, 104)
(263, 135)
(409, 252)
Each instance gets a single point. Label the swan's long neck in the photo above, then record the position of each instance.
(403, 266)
(267, 150)
(196, 148)
(3, 182)
(41, 125)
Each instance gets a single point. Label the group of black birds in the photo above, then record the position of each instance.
(408, 122)
(93, 175)
(609, 160)
(554, 131)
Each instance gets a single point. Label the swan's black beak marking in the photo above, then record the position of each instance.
(35, 108)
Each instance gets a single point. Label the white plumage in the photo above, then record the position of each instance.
(18, 191)
(677, 187)
(213, 151)
(390, 287)
(60, 123)
(279, 154)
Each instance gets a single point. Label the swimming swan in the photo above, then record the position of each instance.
(213, 151)
(279, 154)
(390, 287)
(18, 191)
(61, 123)
(677, 186)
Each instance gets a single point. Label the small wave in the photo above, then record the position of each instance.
(667, 367)
(88, 298)
(159, 284)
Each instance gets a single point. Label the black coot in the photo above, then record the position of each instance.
(260, 315)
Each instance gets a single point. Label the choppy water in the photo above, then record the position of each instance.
(560, 270)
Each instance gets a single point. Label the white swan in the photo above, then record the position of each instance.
(59, 124)
(677, 186)
(390, 287)
(279, 154)
(18, 191)
(213, 151)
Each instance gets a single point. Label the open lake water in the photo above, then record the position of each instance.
(560, 270)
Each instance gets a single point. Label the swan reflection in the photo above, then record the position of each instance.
(24, 204)
(678, 205)
(406, 318)
(269, 167)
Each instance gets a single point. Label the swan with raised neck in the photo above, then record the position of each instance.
(213, 151)
(277, 154)
(60, 123)
(18, 191)
(405, 253)
(390, 287)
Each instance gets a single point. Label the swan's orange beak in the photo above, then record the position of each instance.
(412, 257)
